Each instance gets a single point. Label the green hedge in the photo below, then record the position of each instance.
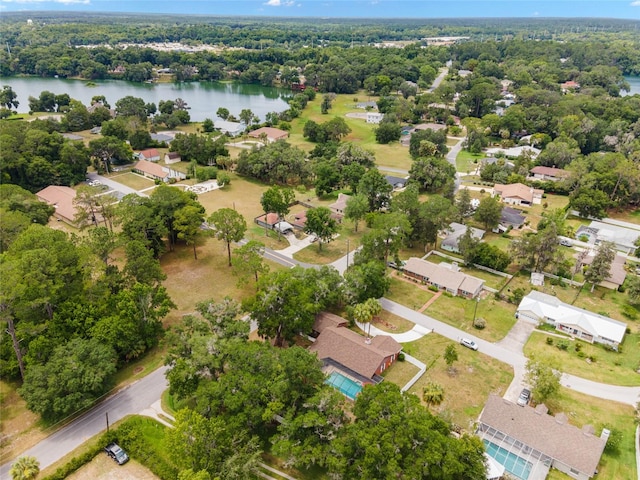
(142, 438)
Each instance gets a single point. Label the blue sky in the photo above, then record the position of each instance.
(346, 8)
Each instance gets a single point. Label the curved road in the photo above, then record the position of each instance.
(130, 400)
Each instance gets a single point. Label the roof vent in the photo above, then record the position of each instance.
(367, 340)
(605, 434)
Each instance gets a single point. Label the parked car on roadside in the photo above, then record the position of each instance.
(117, 453)
(466, 342)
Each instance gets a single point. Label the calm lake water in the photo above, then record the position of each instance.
(204, 98)
(634, 83)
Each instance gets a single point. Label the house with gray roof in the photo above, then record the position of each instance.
(528, 442)
(444, 276)
(623, 234)
(454, 232)
(576, 322)
(232, 129)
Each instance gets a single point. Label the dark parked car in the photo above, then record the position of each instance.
(118, 454)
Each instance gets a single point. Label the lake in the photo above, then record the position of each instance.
(204, 98)
(634, 83)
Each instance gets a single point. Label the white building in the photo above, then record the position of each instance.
(374, 117)
(590, 327)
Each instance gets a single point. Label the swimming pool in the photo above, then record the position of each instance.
(512, 463)
(346, 386)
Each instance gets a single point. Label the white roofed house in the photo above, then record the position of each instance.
(232, 129)
(374, 117)
(574, 321)
(157, 172)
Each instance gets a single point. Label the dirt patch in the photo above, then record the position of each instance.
(104, 468)
(138, 370)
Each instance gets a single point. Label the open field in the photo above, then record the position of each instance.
(392, 323)
(362, 133)
(133, 180)
(458, 312)
(408, 294)
(609, 367)
(400, 373)
(465, 392)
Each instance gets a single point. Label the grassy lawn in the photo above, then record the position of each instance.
(330, 252)
(393, 155)
(408, 294)
(20, 429)
(584, 409)
(467, 162)
(466, 392)
(133, 180)
(609, 367)
(400, 373)
(389, 322)
(191, 281)
(458, 312)
(104, 468)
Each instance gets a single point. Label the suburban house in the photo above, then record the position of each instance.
(623, 234)
(150, 154)
(528, 442)
(454, 232)
(367, 105)
(509, 217)
(518, 194)
(272, 134)
(325, 320)
(590, 327)
(444, 276)
(397, 183)
(515, 151)
(233, 129)
(172, 157)
(61, 198)
(374, 117)
(339, 205)
(358, 356)
(500, 161)
(272, 221)
(569, 86)
(157, 172)
(617, 273)
(548, 173)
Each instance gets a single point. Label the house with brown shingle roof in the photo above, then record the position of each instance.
(272, 134)
(344, 348)
(528, 442)
(157, 172)
(617, 274)
(548, 173)
(444, 276)
(518, 194)
(325, 320)
(61, 198)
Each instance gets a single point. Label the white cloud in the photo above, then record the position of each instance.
(280, 3)
(64, 2)
(635, 4)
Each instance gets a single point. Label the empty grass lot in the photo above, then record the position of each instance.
(466, 392)
(584, 409)
(133, 180)
(392, 155)
(467, 162)
(458, 312)
(408, 294)
(609, 367)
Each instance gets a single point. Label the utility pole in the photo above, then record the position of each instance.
(347, 255)
(107, 415)
(475, 309)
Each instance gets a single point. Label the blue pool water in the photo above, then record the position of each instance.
(510, 461)
(345, 385)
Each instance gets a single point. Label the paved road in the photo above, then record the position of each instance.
(436, 83)
(113, 185)
(626, 395)
(451, 158)
(128, 401)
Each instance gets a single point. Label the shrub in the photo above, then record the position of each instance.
(581, 354)
(401, 357)
(479, 323)
(549, 341)
(563, 345)
(433, 288)
(578, 347)
(592, 358)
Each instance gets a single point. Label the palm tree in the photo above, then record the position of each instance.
(25, 468)
(433, 394)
